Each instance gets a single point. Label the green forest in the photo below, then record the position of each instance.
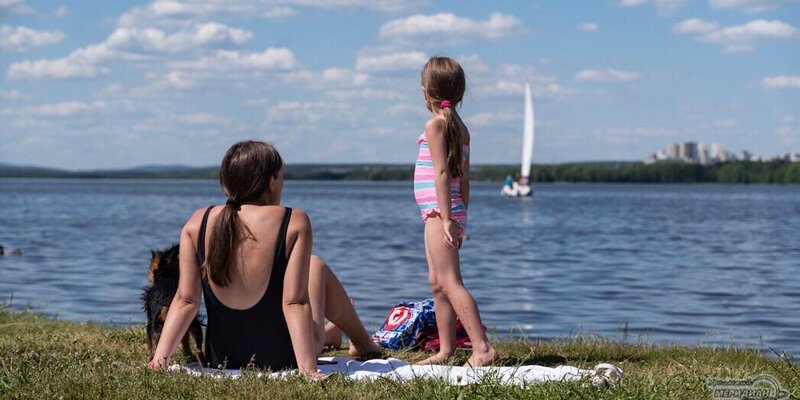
(780, 172)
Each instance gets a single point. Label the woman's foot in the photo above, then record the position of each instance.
(333, 336)
(482, 358)
(437, 359)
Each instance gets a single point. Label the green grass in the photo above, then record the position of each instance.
(41, 357)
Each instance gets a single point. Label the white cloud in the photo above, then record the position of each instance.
(177, 12)
(61, 109)
(509, 81)
(663, 7)
(392, 61)
(750, 6)
(128, 44)
(273, 58)
(21, 38)
(695, 25)
(669, 7)
(203, 119)
(10, 95)
(781, 82)
(15, 7)
(61, 11)
(739, 37)
(606, 75)
(156, 40)
(450, 28)
(62, 68)
(588, 27)
(630, 3)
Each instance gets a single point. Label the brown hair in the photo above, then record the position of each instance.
(246, 172)
(444, 79)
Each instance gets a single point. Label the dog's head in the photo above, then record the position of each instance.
(164, 263)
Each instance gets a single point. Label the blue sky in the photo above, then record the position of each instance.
(118, 84)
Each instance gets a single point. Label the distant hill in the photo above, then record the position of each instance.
(621, 172)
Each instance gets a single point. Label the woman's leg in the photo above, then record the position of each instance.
(317, 293)
(445, 315)
(448, 276)
(338, 309)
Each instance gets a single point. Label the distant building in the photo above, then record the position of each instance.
(719, 153)
(702, 153)
(688, 151)
(673, 151)
(706, 154)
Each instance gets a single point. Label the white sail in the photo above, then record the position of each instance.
(527, 134)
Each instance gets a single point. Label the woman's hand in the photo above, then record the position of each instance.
(452, 231)
(159, 363)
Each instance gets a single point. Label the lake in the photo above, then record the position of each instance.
(695, 264)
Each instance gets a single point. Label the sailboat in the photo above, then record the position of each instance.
(523, 188)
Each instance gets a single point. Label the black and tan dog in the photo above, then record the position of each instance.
(156, 299)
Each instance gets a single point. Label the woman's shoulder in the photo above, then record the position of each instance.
(299, 220)
(194, 221)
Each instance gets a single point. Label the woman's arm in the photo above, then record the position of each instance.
(434, 134)
(186, 302)
(296, 305)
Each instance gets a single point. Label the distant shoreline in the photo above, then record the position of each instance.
(773, 172)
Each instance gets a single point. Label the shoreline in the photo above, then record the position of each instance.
(744, 172)
(43, 357)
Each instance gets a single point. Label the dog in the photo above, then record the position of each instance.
(156, 298)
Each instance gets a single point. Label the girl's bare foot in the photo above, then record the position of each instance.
(437, 359)
(365, 351)
(333, 336)
(481, 359)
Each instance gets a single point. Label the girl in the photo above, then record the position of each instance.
(441, 187)
(266, 296)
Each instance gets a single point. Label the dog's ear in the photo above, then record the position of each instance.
(155, 260)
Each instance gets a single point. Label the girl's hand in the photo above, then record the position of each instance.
(451, 233)
(159, 363)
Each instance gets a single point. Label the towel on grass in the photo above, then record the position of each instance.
(393, 368)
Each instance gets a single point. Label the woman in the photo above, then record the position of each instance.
(266, 296)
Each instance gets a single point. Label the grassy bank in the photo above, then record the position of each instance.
(44, 358)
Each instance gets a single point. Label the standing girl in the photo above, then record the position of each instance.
(441, 187)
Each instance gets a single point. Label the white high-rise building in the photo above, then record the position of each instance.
(673, 151)
(702, 153)
(719, 152)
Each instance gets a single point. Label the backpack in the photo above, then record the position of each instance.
(404, 325)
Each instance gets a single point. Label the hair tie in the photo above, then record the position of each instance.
(237, 205)
(445, 104)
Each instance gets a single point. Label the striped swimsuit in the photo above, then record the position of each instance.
(425, 188)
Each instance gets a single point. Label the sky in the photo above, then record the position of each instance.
(116, 84)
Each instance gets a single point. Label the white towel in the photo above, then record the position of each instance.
(393, 368)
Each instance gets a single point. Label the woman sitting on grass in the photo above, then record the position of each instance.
(266, 296)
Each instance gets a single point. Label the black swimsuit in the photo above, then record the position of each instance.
(257, 336)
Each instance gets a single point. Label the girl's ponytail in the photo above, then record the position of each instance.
(453, 136)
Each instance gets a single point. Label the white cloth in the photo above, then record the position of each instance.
(396, 369)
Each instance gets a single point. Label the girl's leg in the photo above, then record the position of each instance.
(448, 275)
(445, 316)
(338, 309)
